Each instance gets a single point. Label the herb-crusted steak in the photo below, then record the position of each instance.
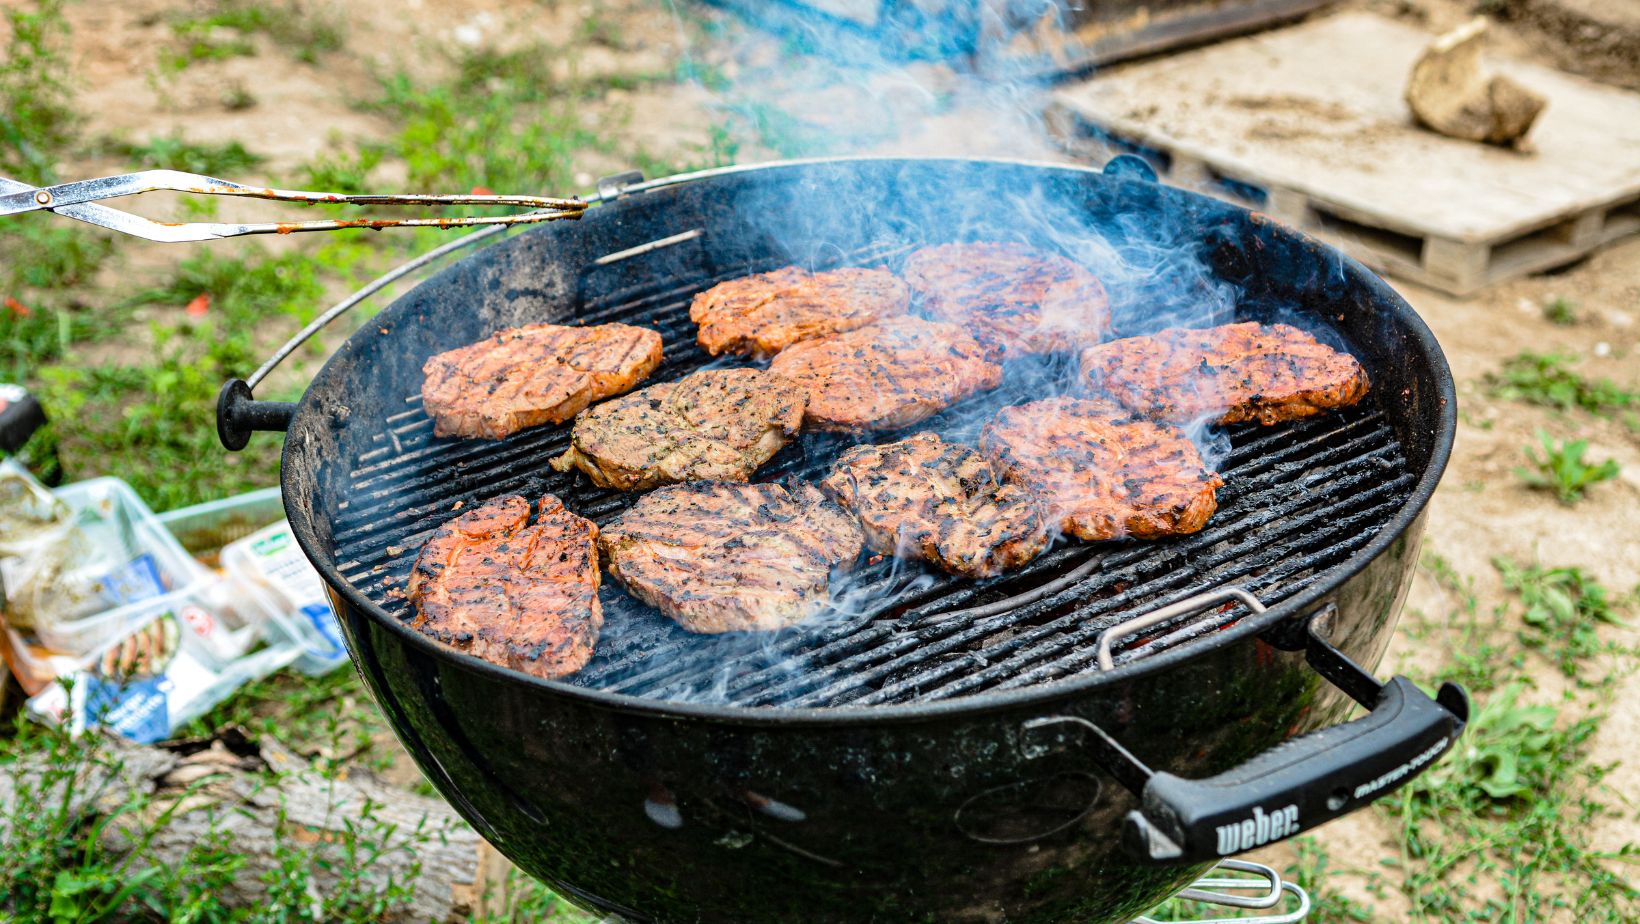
(721, 557)
(763, 314)
(940, 502)
(888, 375)
(714, 425)
(1012, 298)
(519, 594)
(1229, 374)
(527, 376)
(1101, 473)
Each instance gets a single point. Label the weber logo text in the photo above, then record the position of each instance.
(1258, 830)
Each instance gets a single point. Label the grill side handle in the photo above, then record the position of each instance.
(1296, 785)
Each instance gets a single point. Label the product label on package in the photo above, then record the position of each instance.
(325, 621)
(137, 579)
(138, 709)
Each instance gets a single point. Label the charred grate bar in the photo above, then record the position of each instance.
(1299, 498)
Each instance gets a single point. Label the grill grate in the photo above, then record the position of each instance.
(1299, 498)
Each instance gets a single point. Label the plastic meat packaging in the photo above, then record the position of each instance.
(185, 653)
(271, 558)
(72, 581)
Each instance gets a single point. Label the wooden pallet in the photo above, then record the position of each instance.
(1308, 124)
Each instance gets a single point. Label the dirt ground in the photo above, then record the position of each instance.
(1481, 511)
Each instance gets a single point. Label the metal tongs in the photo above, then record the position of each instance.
(78, 200)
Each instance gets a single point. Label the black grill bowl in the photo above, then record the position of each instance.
(881, 798)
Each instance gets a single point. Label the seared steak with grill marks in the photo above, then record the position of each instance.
(1012, 298)
(527, 376)
(888, 375)
(1232, 373)
(522, 596)
(763, 314)
(1101, 473)
(721, 557)
(924, 498)
(714, 425)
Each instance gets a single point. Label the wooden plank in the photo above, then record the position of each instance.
(1316, 110)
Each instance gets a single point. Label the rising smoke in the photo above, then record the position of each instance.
(820, 84)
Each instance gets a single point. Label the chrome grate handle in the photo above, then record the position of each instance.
(1258, 887)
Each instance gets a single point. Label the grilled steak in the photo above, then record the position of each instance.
(924, 498)
(721, 557)
(714, 425)
(763, 314)
(531, 375)
(522, 596)
(888, 375)
(1013, 299)
(1101, 473)
(1232, 373)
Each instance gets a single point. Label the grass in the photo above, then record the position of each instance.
(59, 863)
(1546, 379)
(1561, 312)
(37, 119)
(1498, 830)
(131, 380)
(130, 374)
(507, 122)
(1561, 468)
(172, 152)
(151, 419)
(226, 31)
(1562, 610)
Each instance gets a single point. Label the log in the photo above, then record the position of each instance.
(1450, 93)
(271, 807)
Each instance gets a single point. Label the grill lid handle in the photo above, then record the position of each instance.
(1296, 785)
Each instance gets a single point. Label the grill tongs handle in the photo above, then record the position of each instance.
(1297, 784)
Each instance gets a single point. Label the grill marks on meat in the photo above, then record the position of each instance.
(940, 502)
(1101, 473)
(1232, 373)
(763, 314)
(519, 594)
(720, 557)
(888, 375)
(1014, 299)
(714, 425)
(532, 375)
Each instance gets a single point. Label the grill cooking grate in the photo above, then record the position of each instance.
(1299, 498)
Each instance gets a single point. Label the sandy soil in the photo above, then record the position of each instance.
(1481, 510)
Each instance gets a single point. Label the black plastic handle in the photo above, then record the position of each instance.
(238, 415)
(1305, 781)
(1296, 785)
(1300, 783)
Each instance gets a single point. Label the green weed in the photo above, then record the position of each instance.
(505, 123)
(37, 120)
(1471, 636)
(174, 153)
(1544, 379)
(1562, 609)
(1313, 872)
(152, 421)
(1561, 468)
(225, 32)
(45, 252)
(1561, 312)
(345, 172)
(331, 714)
(55, 865)
(1511, 805)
